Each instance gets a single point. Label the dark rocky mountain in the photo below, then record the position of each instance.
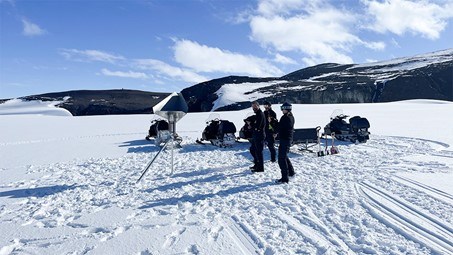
(102, 102)
(200, 97)
(427, 76)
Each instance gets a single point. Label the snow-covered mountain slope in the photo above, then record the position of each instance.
(36, 107)
(427, 76)
(68, 186)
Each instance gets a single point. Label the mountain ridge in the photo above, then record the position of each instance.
(424, 76)
(103, 102)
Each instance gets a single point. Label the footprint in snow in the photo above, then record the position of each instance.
(193, 249)
(214, 233)
(146, 252)
(173, 237)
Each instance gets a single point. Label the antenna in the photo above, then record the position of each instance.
(173, 108)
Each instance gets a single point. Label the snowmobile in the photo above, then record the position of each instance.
(354, 131)
(160, 132)
(156, 126)
(218, 132)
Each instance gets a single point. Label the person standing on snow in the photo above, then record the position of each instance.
(271, 119)
(257, 143)
(285, 133)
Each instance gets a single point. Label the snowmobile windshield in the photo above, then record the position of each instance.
(336, 113)
(155, 118)
(213, 116)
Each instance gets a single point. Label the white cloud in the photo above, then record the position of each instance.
(395, 43)
(284, 60)
(271, 8)
(90, 55)
(169, 71)
(371, 60)
(374, 45)
(31, 29)
(314, 28)
(425, 18)
(202, 58)
(129, 74)
(160, 70)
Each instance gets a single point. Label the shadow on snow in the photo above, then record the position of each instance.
(139, 146)
(199, 197)
(210, 179)
(36, 192)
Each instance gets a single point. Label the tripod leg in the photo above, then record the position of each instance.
(151, 162)
(172, 148)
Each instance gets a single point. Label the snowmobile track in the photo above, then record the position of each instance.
(406, 219)
(433, 192)
(323, 245)
(242, 236)
(318, 234)
(329, 234)
(444, 145)
(312, 221)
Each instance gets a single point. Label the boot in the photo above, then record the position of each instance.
(280, 181)
(258, 169)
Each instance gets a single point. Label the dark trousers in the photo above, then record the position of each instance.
(285, 165)
(256, 149)
(270, 141)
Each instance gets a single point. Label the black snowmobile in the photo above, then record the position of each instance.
(354, 131)
(156, 126)
(218, 132)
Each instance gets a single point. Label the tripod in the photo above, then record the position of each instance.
(168, 138)
(172, 142)
(173, 108)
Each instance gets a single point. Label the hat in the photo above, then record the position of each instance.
(267, 103)
(286, 106)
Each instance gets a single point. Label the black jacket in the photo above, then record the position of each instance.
(286, 127)
(271, 113)
(269, 129)
(260, 122)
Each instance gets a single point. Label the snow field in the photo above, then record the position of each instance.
(371, 198)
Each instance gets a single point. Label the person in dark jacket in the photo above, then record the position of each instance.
(270, 128)
(285, 133)
(246, 131)
(257, 142)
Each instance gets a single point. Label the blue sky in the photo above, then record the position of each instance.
(157, 45)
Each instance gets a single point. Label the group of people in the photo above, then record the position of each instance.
(265, 128)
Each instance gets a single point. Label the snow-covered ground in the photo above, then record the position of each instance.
(68, 186)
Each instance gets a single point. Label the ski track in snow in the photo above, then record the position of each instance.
(408, 219)
(435, 193)
(329, 207)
